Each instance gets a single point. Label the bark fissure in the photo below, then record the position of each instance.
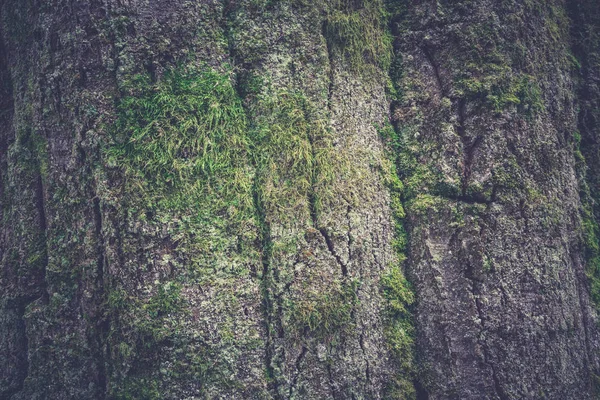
(271, 314)
(19, 305)
(583, 295)
(332, 386)
(476, 293)
(469, 146)
(315, 217)
(585, 37)
(297, 364)
(266, 290)
(331, 249)
(349, 233)
(20, 309)
(436, 70)
(24, 303)
(41, 209)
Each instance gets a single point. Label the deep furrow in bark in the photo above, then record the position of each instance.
(265, 240)
(297, 364)
(331, 249)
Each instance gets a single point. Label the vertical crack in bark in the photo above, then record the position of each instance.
(24, 303)
(265, 239)
(331, 248)
(20, 309)
(349, 233)
(323, 230)
(585, 37)
(312, 194)
(583, 295)
(476, 293)
(22, 326)
(436, 71)
(421, 392)
(103, 324)
(41, 209)
(266, 289)
(469, 144)
(297, 375)
(40, 205)
(6, 112)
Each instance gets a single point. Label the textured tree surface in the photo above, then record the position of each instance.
(276, 199)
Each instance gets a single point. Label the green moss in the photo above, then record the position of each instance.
(488, 263)
(399, 332)
(509, 175)
(293, 153)
(423, 203)
(591, 235)
(139, 389)
(167, 300)
(150, 319)
(183, 141)
(296, 172)
(34, 148)
(496, 86)
(589, 223)
(358, 32)
(182, 145)
(586, 16)
(283, 152)
(593, 267)
(322, 312)
(492, 67)
(397, 292)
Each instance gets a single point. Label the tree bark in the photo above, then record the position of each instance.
(222, 199)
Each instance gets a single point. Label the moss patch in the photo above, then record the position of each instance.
(183, 141)
(357, 31)
(181, 150)
(397, 292)
(322, 312)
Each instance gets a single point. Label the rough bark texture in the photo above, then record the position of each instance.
(221, 199)
(495, 253)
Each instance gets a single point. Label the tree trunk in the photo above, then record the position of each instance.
(272, 199)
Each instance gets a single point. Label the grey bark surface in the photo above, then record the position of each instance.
(496, 259)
